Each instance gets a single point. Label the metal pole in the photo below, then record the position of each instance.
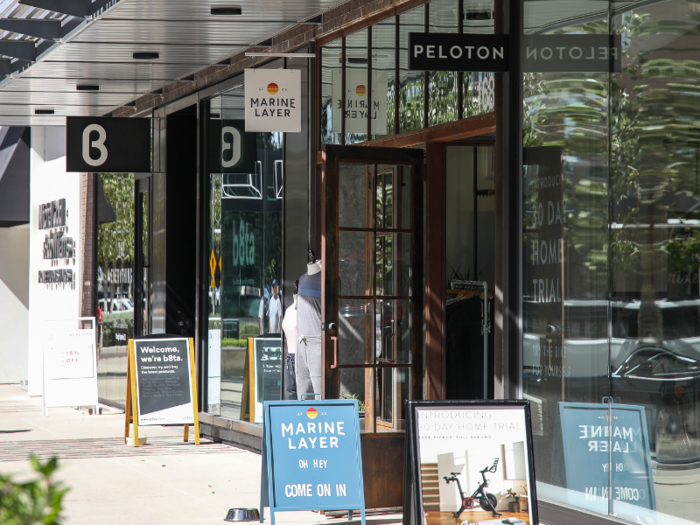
(485, 330)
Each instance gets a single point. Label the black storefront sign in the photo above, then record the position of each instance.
(231, 150)
(268, 368)
(540, 53)
(118, 145)
(572, 53)
(454, 52)
(163, 374)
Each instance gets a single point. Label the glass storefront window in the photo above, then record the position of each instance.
(331, 61)
(478, 87)
(411, 83)
(384, 78)
(611, 292)
(246, 255)
(451, 95)
(356, 87)
(443, 86)
(115, 285)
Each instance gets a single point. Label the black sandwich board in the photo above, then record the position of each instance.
(470, 442)
(161, 384)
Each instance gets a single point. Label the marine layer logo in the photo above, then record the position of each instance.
(312, 413)
(272, 88)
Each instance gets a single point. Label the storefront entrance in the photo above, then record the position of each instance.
(372, 299)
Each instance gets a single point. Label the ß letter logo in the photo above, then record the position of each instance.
(234, 145)
(98, 144)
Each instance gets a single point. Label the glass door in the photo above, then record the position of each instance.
(142, 325)
(372, 299)
(373, 280)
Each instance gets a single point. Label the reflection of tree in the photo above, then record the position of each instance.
(115, 240)
(652, 126)
(571, 110)
(273, 246)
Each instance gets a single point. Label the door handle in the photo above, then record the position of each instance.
(335, 351)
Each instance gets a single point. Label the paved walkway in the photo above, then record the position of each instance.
(165, 482)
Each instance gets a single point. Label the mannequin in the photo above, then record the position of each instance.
(289, 325)
(308, 358)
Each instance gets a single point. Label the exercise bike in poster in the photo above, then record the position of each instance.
(469, 463)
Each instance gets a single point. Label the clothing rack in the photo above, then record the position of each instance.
(485, 325)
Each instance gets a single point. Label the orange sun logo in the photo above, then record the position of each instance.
(272, 88)
(312, 413)
(361, 90)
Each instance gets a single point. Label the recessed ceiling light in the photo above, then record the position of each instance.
(226, 10)
(146, 55)
(43, 111)
(87, 87)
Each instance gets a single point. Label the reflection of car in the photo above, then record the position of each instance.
(655, 363)
(666, 383)
(662, 376)
(119, 304)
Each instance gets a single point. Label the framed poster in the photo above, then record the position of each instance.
(471, 462)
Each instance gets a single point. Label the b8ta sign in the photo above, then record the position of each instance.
(119, 145)
(273, 100)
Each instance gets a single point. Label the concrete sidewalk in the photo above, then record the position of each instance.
(165, 482)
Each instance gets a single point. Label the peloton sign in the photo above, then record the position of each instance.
(104, 144)
(540, 53)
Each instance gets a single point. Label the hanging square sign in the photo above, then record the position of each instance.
(273, 100)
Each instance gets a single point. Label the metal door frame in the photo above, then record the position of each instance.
(142, 184)
(332, 156)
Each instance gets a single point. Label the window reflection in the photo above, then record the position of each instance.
(115, 284)
(245, 261)
(629, 314)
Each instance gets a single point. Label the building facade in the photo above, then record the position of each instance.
(565, 178)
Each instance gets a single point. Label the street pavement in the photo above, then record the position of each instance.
(166, 482)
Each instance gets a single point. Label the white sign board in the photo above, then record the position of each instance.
(70, 364)
(273, 100)
(357, 101)
(214, 367)
(71, 354)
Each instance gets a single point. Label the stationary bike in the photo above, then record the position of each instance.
(487, 501)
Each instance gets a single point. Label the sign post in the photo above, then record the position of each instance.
(311, 457)
(161, 385)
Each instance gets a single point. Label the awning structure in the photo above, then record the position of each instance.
(86, 58)
(14, 176)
